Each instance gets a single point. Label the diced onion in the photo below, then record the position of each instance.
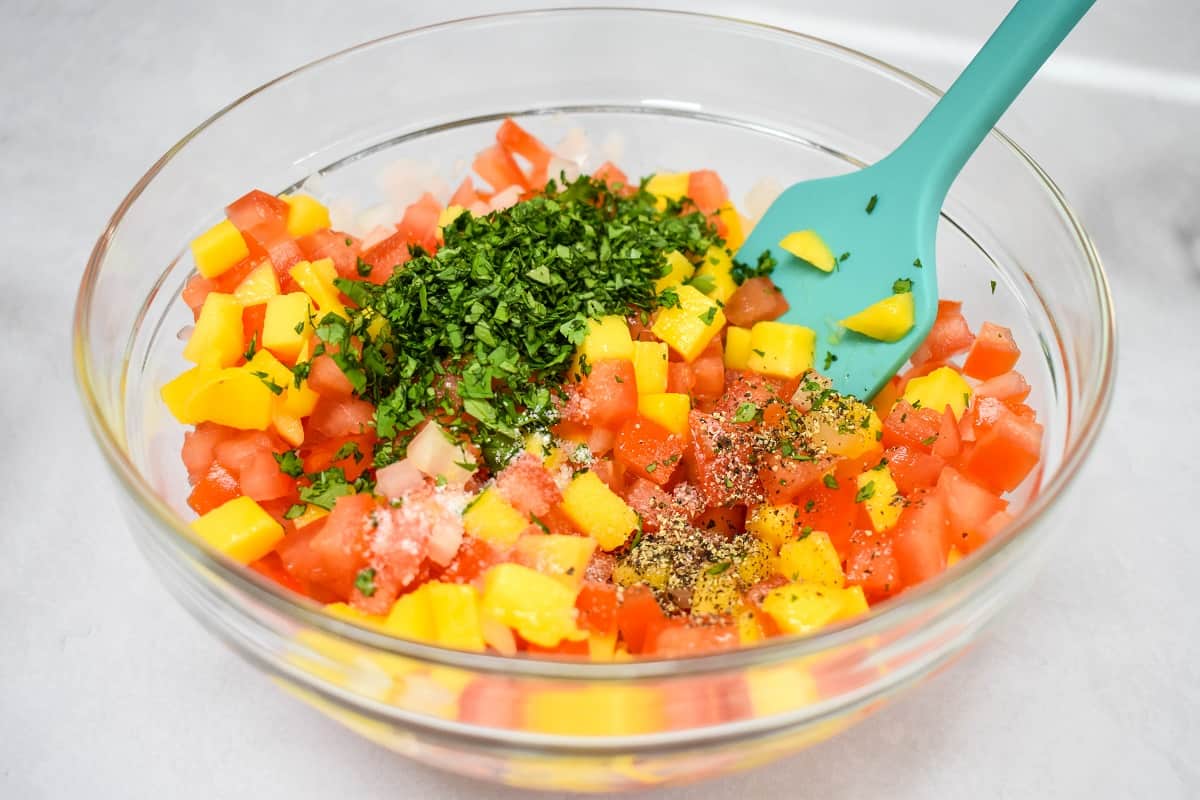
(396, 480)
(432, 452)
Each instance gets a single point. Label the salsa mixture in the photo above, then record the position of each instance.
(557, 417)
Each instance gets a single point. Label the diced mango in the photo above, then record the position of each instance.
(217, 338)
(669, 409)
(598, 511)
(270, 366)
(940, 389)
(305, 215)
(233, 397)
(758, 564)
(734, 230)
(287, 324)
(777, 689)
(299, 401)
(668, 186)
(748, 628)
(802, 607)
(177, 393)
(717, 270)
(259, 286)
(809, 248)
(492, 518)
(602, 646)
(349, 613)
(715, 593)
(411, 617)
(316, 279)
(882, 500)
(455, 610)
(311, 514)
(218, 249)
(560, 556)
(888, 320)
(538, 607)
(240, 529)
(689, 327)
(856, 431)
(606, 338)
(593, 710)
(812, 560)
(781, 349)
(854, 602)
(774, 525)
(650, 367)
(737, 347)
(680, 270)
(448, 215)
(289, 428)
(953, 556)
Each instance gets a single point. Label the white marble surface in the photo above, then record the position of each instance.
(1088, 687)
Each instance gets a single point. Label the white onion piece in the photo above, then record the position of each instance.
(613, 148)
(575, 146)
(432, 452)
(562, 166)
(404, 181)
(802, 398)
(504, 199)
(760, 197)
(478, 208)
(445, 537)
(497, 635)
(396, 480)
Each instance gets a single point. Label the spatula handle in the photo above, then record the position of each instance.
(940, 146)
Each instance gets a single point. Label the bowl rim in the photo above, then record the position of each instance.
(885, 616)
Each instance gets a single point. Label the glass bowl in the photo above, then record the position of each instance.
(652, 90)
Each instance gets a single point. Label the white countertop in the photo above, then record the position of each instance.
(1088, 687)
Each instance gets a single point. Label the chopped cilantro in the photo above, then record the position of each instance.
(743, 272)
(268, 381)
(917, 263)
(719, 567)
(702, 283)
(708, 316)
(829, 481)
(928, 440)
(746, 412)
(829, 359)
(252, 347)
(295, 510)
(365, 581)
(652, 466)
(871, 203)
(902, 286)
(362, 268)
(347, 450)
(809, 506)
(326, 487)
(865, 492)
(290, 463)
(993, 284)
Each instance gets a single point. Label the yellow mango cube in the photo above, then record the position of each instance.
(606, 338)
(880, 497)
(305, 215)
(583, 710)
(217, 338)
(809, 248)
(689, 327)
(298, 401)
(802, 607)
(888, 320)
(560, 556)
(737, 347)
(602, 647)
(492, 518)
(448, 215)
(777, 689)
(240, 529)
(717, 270)
(411, 617)
(311, 514)
(854, 602)
(774, 525)
(668, 186)
(177, 393)
(715, 593)
(669, 409)
(953, 556)
(734, 229)
(218, 249)
(650, 366)
(748, 629)
(316, 279)
(598, 511)
(289, 428)
(680, 269)
(270, 366)
(349, 613)
(856, 431)
(943, 388)
(781, 349)
(235, 398)
(287, 324)
(455, 611)
(536, 606)
(259, 286)
(812, 560)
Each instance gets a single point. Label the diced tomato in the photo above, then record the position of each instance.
(871, 564)
(474, 557)
(261, 478)
(640, 619)
(419, 223)
(949, 336)
(783, 478)
(969, 507)
(493, 702)
(355, 454)
(228, 280)
(887, 397)
(600, 440)
(919, 539)
(1011, 387)
(199, 445)
(518, 141)
(465, 195)
(217, 487)
(708, 377)
(252, 323)
(949, 443)
(528, 486)
(342, 248)
(718, 460)
(654, 505)
(993, 353)
(680, 378)
(648, 450)
(676, 641)
(348, 417)
(917, 428)
(339, 549)
(271, 566)
(755, 300)
(610, 174)
(725, 520)
(706, 190)
(597, 605)
(326, 378)
(557, 521)
(496, 166)
(1006, 450)
(750, 387)
(912, 468)
(257, 208)
(238, 450)
(386, 255)
(829, 509)
(610, 392)
(195, 291)
(612, 473)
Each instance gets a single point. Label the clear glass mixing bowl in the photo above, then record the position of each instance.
(655, 90)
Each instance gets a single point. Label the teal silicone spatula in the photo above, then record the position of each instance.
(885, 216)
